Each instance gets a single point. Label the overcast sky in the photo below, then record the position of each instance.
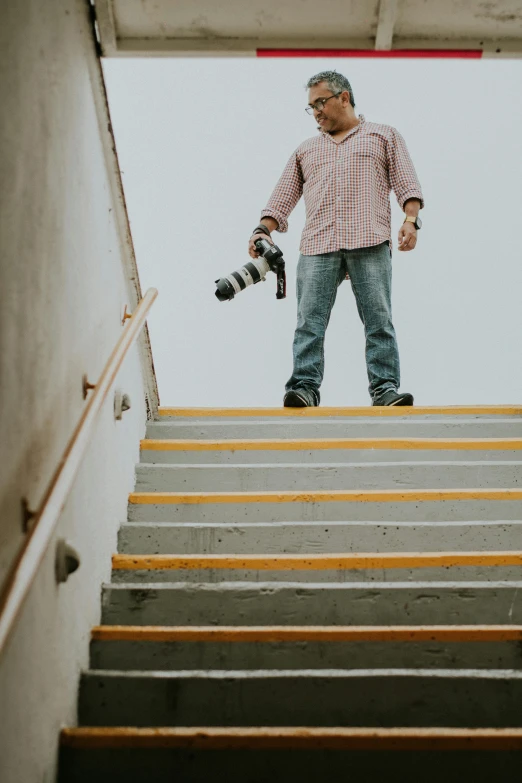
(201, 144)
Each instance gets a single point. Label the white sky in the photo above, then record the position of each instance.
(202, 143)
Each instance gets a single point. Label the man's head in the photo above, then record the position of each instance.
(332, 114)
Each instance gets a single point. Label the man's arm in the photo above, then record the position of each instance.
(270, 223)
(401, 171)
(406, 186)
(407, 232)
(412, 207)
(284, 197)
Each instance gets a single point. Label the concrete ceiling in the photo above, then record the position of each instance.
(287, 27)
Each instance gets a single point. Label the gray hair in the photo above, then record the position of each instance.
(335, 82)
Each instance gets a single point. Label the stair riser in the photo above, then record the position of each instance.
(285, 766)
(340, 428)
(298, 538)
(241, 478)
(312, 604)
(123, 655)
(227, 457)
(218, 575)
(382, 699)
(243, 513)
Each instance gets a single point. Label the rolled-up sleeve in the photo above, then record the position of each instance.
(403, 177)
(286, 194)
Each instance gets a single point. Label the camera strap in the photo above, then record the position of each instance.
(261, 229)
(281, 282)
(279, 269)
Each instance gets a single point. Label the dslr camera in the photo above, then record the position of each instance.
(270, 258)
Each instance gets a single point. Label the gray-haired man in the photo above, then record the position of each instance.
(346, 175)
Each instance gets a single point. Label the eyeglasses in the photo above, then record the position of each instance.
(318, 105)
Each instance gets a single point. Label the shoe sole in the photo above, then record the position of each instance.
(406, 400)
(293, 400)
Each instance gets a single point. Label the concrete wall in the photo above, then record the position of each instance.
(67, 269)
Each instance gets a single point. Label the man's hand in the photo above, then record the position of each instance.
(407, 236)
(270, 224)
(252, 252)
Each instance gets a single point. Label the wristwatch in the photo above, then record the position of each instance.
(417, 222)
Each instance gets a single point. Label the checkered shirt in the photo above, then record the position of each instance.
(346, 188)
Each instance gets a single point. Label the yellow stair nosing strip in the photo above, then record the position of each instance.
(342, 411)
(310, 444)
(372, 738)
(324, 496)
(315, 562)
(401, 633)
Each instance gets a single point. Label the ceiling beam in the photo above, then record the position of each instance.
(386, 24)
(311, 47)
(106, 27)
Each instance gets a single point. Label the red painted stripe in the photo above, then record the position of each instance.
(466, 54)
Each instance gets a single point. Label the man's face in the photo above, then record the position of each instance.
(333, 112)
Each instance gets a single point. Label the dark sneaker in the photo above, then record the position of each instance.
(394, 398)
(301, 398)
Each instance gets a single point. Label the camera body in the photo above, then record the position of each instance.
(270, 252)
(270, 258)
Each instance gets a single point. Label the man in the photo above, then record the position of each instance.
(346, 174)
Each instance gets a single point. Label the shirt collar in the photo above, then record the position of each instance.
(362, 120)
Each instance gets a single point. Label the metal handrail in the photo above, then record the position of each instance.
(47, 515)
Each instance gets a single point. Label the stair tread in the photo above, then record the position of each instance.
(290, 736)
(292, 444)
(335, 522)
(271, 587)
(337, 673)
(449, 410)
(318, 561)
(322, 496)
(309, 633)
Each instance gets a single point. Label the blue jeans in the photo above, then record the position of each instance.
(318, 278)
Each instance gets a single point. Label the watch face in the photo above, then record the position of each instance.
(418, 223)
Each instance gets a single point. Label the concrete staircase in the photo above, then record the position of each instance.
(312, 594)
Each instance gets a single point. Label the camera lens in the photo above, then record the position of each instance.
(224, 289)
(251, 273)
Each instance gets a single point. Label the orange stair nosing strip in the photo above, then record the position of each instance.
(311, 444)
(293, 737)
(346, 411)
(324, 496)
(400, 633)
(321, 562)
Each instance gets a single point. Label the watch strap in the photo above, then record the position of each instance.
(261, 229)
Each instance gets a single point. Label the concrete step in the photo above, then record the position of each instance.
(312, 450)
(280, 537)
(347, 475)
(323, 697)
(288, 755)
(369, 576)
(350, 505)
(294, 603)
(417, 412)
(358, 427)
(352, 567)
(272, 621)
(170, 648)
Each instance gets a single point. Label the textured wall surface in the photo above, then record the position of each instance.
(66, 267)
